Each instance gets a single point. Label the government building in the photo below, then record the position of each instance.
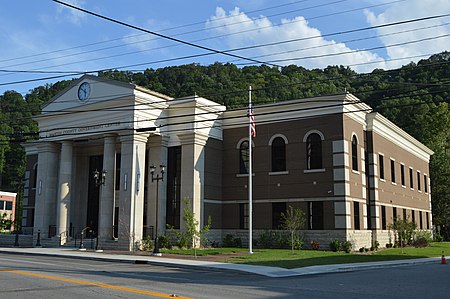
(118, 161)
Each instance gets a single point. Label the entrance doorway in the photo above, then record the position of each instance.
(95, 163)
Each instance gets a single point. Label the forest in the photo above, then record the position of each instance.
(415, 97)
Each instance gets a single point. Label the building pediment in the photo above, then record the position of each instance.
(92, 105)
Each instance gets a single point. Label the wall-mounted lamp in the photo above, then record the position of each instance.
(99, 177)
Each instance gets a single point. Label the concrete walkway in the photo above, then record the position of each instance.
(260, 270)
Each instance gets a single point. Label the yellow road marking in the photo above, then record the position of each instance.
(85, 282)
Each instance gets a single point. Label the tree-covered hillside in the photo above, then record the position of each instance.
(415, 97)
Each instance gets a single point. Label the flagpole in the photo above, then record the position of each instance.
(250, 173)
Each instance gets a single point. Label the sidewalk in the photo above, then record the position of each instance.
(275, 272)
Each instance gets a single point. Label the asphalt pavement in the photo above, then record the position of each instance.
(260, 270)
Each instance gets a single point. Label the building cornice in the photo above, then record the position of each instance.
(380, 125)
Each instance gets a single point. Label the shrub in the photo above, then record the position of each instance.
(315, 245)
(361, 249)
(375, 245)
(272, 239)
(423, 239)
(347, 246)
(147, 244)
(438, 238)
(164, 242)
(230, 241)
(335, 245)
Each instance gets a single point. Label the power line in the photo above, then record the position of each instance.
(203, 39)
(142, 34)
(159, 34)
(358, 51)
(286, 103)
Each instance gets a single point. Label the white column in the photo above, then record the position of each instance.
(46, 192)
(106, 204)
(131, 202)
(64, 186)
(157, 156)
(192, 173)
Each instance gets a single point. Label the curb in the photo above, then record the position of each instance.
(273, 272)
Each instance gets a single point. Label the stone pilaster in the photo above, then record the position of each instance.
(192, 173)
(47, 182)
(131, 202)
(107, 191)
(64, 191)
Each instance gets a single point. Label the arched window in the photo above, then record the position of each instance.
(278, 154)
(314, 151)
(354, 153)
(243, 157)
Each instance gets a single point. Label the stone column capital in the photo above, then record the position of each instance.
(132, 136)
(51, 147)
(158, 140)
(193, 138)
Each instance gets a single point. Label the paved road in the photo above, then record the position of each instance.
(52, 277)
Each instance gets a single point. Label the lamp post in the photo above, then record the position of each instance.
(99, 177)
(157, 178)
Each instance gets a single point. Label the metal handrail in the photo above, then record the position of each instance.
(82, 239)
(65, 233)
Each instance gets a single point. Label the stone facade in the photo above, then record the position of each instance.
(123, 174)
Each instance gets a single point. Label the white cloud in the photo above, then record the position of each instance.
(262, 31)
(74, 16)
(414, 9)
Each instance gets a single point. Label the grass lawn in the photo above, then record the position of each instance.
(303, 258)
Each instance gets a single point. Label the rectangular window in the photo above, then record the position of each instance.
(2, 204)
(428, 220)
(418, 181)
(383, 217)
(420, 220)
(356, 215)
(244, 216)
(411, 178)
(393, 171)
(402, 174)
(394, 214)
(381, 161)
(413, 216)
(173, 204)
(315, 214)
(277, 209)
(404, 214)
(425, 183)
(118, 161)
(9, 206)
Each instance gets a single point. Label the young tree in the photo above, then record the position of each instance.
(193, 230)
(293, 220)
(404, 230)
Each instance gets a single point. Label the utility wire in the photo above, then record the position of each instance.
(159, 34)
(286, 103)
(173, 130)
(143, 34)
(203, 39)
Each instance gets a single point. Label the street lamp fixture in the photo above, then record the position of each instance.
(157, 178)
(99, 177)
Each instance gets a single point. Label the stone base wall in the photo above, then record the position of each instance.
(10, 239)
(323, 237)
(384, 237)
(360, 238)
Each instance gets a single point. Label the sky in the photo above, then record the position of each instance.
(44, 39)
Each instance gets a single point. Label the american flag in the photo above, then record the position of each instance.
(252, 121)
